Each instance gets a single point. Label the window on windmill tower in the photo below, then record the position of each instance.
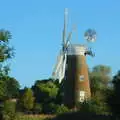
(81, 77)
(82, 96)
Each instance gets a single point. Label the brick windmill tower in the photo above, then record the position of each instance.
(72, 68)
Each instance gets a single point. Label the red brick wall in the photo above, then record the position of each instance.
(76, 66)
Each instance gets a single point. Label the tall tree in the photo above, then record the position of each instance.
(27, 100)
(6, 51)
(99, 79)
(114, 95)
(8, 86)
(99, 82)
(45, 91)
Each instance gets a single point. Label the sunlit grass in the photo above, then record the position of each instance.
(35, 117)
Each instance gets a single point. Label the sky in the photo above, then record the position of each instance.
(36, 27)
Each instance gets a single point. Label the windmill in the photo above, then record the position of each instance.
(76, 84)
(71, 65)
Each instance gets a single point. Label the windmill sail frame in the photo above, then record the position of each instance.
(59, 70)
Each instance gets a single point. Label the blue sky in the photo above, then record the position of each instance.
(36, 27)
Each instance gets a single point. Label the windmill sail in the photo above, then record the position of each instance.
(60, 67)
(59, 70)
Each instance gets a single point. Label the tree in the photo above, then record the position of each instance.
(27, 99)
(53, 108)
(45, 91)
(99, 82)
(12, 87)
(8, 86)
(99, 79)
(60, 94)
(6, 52)
(2, 90)
(38, 108)
(113, 99)
(9, 110)
(93, 106)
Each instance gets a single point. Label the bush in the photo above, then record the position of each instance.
(50, 108)
(61, 109)
(93, 106)
(27, 99)
(9, 110)
(38, 108)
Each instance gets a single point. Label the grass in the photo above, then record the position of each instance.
(36, 117)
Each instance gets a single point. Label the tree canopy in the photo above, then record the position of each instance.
(9, 86)
(114, 95)
(100, 77)
(6, 51)
(45, 90)
(27, 99)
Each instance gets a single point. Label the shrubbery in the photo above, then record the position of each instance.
(93, 106)
(38, 108)
(9, 110)
(62, 109)
(52, 108)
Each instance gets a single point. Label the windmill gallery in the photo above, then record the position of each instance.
(71, 67)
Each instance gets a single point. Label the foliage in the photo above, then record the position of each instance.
(27, 100)
(6, 52)
(9, 87)
(35, 117)
(102, 69)
(2, 90)
(9, 110)
(99, 79)
(62, 109)
(95, 83)
(12, 87)
(99, 82)
(52, 108)
(93, 106)
(113, 99)
(60, 94)
(38, 108)
(45, 91)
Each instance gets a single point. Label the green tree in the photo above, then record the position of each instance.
(8, 86)
(45, 91)
(60, 94)
(12, 87)
(6, 51)
(93, 106)
(62, 109)
(27, 99)
(99, 79)
(38, 108)
(52, 108)
(113, 99)
(9, 110)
